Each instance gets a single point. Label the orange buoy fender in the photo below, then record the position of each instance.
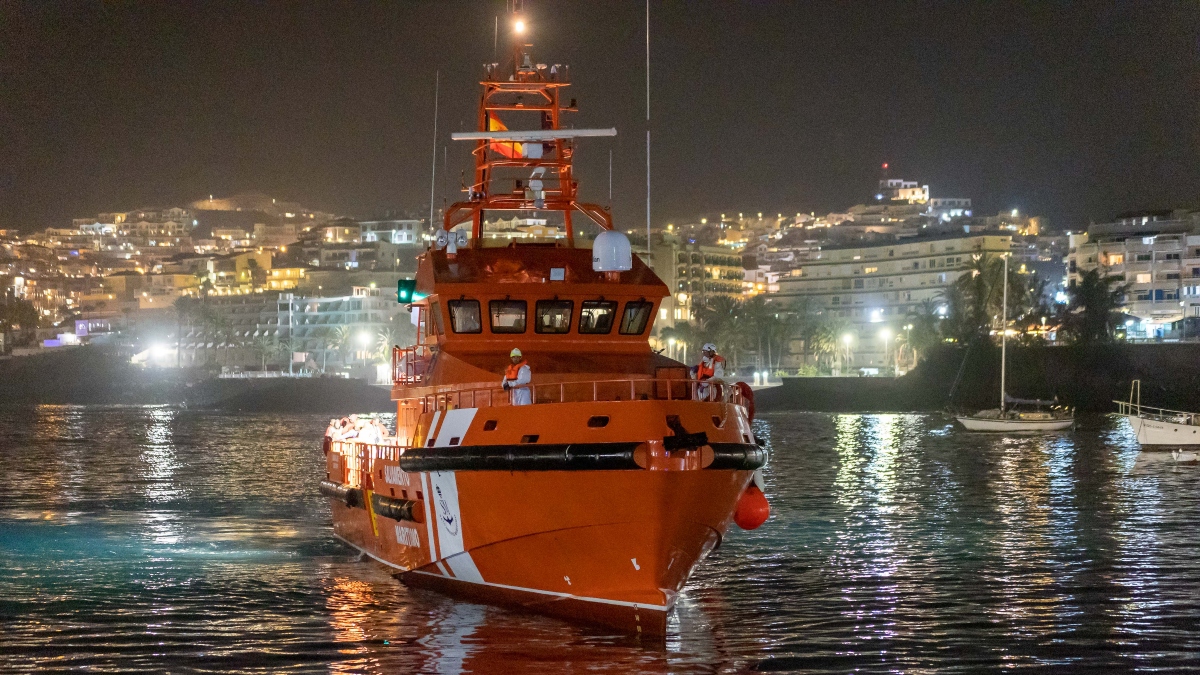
(752, 508)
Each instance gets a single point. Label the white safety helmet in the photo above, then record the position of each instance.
(514, 352)
(708, 347)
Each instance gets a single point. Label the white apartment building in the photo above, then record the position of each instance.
(949, 208)
(313, 323)
(876, 287)
(390, 231)
(900, 190)
(1158, 255)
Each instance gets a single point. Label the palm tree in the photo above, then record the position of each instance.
(343, 340)
(922, 333)
(824, 338)
(755, 322)
(386, 340)
(206, 284)
(266, 347)
(1094, 306)
(287, 348)
(685, 334)
(184, 307)
(718, 319)
(978, 296)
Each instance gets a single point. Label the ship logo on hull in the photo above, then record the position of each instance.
(449, 519)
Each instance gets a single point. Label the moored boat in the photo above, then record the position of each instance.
(590, 491)
(1016, 415)
(1158, 426)
(1043, 417)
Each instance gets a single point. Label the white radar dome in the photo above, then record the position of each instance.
(611, 252)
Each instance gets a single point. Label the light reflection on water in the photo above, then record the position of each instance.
(152, 538)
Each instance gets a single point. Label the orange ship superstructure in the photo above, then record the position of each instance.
(595, 501)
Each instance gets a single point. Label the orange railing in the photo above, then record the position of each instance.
(409, 364)
(644, 389)
(358, 459)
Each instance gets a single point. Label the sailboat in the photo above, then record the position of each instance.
(1015, 414)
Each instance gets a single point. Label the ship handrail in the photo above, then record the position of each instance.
(607, 390)
(1157, 414)
(409, 363)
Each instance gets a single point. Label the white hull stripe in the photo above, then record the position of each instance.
(463, 567)
(603, 601)
(428, 516)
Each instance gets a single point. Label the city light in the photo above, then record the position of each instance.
(519, 26)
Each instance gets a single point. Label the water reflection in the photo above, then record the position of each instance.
(144, 539)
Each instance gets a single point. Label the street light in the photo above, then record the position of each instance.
(364, 339)
(519, 27)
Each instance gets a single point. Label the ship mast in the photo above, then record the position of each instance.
(527, 168)
(1004, 335)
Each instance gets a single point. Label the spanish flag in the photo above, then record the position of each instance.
(509, 149)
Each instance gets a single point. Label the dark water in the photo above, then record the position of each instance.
(149, 539)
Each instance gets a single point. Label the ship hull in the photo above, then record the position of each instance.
(1167, 434)
(611, 548)
(1001, 425)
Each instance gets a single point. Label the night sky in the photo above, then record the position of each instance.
(1074, 112)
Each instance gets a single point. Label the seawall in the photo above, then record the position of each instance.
(1089, 378)
(97, 375)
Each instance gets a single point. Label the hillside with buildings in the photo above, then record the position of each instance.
(253, 286)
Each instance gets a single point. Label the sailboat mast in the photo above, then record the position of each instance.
(1004, 333)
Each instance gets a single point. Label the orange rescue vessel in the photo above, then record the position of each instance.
(595, 500)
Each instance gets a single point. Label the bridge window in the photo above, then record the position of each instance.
(464, 316)
(508, 316)
(637, 315)
(434, 327)
(554, 316)
(596, 317)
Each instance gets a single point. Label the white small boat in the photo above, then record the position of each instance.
(1158, 426)
(1043, 415)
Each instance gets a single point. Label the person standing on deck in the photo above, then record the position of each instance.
(711, 367)
(516, 375)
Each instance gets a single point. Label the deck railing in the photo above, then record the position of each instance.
(409, 364)
(630, 389)
(1157, 414)
(359, 458)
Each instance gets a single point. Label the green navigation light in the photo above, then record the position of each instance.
(406, 291)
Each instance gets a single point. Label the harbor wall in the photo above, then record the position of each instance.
(100, 375)
(1089, 378)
